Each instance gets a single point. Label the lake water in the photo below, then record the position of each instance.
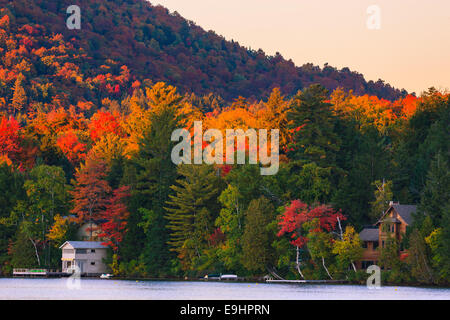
(196, 290)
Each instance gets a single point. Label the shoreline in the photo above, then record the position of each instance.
(294, 282)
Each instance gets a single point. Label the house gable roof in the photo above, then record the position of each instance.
(84, 244)
(405, 211)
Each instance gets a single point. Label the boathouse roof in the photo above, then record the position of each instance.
(85, 244)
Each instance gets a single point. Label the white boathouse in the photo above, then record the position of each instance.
(86, 255)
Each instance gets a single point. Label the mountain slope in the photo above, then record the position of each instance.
(161, 46)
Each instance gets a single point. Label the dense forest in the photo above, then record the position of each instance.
(62, 168)
(86, 65)
(88, 138)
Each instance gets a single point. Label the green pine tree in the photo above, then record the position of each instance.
(152, 175)
(11, 191)
(313, 123)
(192, 211)
(257, 253)
(436, 192)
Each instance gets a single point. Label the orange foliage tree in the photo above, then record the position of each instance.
(91, 191)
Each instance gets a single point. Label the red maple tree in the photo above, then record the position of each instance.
(116, 214)
(70, 145)
(91, 191)
(9, 138)
(103, 123)
(299, 213)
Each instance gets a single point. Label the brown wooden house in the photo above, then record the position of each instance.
(392, 223)
(370, 239)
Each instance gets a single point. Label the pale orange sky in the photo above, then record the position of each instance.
(411, 50)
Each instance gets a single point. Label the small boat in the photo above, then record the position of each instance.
(228, 277)
(106, 276)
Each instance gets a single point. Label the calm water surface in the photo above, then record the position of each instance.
(192, 290)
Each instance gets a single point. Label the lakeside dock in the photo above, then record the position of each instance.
(307, 281)
(47, 273)
(38, 273)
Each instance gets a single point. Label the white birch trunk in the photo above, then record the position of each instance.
(298, 263)
(36, 252)
(325, 267)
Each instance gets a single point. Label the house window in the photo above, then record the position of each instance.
(375, 245)
(382, 244)
(364, 245)
(81, 251)
(93, 263)
(92, 250)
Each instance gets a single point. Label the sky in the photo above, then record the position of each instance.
(404, 42)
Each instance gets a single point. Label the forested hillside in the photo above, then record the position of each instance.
(122, 41)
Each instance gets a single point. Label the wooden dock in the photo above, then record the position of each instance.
(307, 281)
(38, 273)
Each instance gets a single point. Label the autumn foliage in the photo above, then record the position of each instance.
(298, 213)
(115, 214)
(9, 138)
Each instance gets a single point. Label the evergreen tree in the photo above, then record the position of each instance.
(442, 250)
(418, 258)
(436, 192)
(257, 253)
(364, 158)
(154, 174)
(23, 253)
(192, 212)
(424, 136)
(11, 191)
(313, 124)
(231, 223)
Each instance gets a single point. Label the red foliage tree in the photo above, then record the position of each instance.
(9, 138)
(91, 191)
(70, 145)
(409, 104)
(217, 237)
(103, 123)
(116, 215)
(299, 213)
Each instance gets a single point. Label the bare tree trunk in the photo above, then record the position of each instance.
(274, 274)
(353, 265)
(325, 267)
(36, 252)
(340, 227)
(298, 263)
